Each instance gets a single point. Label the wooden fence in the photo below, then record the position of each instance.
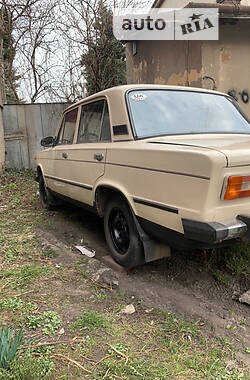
(24, 127)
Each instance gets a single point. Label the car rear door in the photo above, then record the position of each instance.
(89, 156)
(85, 160)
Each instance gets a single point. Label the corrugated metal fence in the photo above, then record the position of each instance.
(24, 127)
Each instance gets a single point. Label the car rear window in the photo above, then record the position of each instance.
(170, 112)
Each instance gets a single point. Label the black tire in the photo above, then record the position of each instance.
(48, 200)
(121, 234)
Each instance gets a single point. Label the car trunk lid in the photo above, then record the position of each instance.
(235, 147)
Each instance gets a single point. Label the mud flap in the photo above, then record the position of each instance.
(153, 250)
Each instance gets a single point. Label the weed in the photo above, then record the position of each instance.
(9, 343)
(121, 294)
(49, 321)
(45, 350)
(171, 324)
(11, 255)
(29, 307)
(90, 320)
(119, 347)
(100, 296)
(48, 253)
(220, 277)
(236, 259)
(138, 300)
(90, 341)
(28, 368)
(135, 369)
(11, 304)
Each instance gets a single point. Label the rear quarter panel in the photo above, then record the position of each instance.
(184, 178)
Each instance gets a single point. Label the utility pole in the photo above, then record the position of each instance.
(2, 98)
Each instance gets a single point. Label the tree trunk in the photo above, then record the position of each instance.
(2, 95)
(2, 144)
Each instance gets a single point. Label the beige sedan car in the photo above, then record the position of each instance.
(158, 163)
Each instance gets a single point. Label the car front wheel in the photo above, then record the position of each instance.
(121, 234)
(47, 199)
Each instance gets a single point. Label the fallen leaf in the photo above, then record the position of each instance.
(61, 331)
(149, 310)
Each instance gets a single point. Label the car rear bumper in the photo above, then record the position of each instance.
(214, 233)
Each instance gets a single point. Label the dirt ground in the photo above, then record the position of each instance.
(179, 284)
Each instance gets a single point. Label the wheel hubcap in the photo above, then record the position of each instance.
(119, 230)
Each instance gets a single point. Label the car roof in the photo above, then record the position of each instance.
(121, 90)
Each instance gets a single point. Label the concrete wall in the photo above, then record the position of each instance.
(24, 127)
(222, 65)
(165, 62)
(226, 62)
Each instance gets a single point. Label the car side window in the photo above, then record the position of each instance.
(105, 133)
(66, 134)
(94, 123)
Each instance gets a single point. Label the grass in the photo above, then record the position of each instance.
(28, 367)
(22, 276)
(101, 343)
(90, 320)
(220, 276)
(235, 260)
(49, 253)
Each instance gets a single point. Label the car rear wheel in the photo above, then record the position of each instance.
(48, 200)
(121, 234)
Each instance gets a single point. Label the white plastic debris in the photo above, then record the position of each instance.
(85, 251)
(129, 309)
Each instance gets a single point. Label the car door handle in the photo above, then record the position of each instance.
(98, 156)
(65, 155)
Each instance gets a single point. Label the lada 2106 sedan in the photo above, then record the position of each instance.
(158, 163)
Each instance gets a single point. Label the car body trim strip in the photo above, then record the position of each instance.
(160, 171)
(156, 205)
(87, 187)
(138, 167)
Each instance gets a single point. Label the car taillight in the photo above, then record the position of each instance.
(237, 187)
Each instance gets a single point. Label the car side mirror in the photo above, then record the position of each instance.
(48, 141)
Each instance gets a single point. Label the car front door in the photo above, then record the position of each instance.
(60, 176)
